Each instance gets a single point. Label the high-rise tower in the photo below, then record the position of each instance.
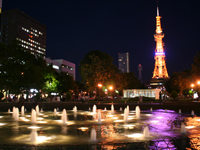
(160, 74)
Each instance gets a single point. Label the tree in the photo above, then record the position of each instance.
(174, 94)
(179, 81)
(97, 67)
(20, 70)
(66, 83)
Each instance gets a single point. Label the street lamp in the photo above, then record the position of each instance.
(100, 85)
(192, 85)
(110, 87)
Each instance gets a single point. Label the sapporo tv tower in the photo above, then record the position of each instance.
(160, 75)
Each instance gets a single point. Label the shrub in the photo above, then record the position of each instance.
(174, 94)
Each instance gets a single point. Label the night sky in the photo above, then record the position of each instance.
(74, 27)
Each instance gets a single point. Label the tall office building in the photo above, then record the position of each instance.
(123, 62)
(31, 34)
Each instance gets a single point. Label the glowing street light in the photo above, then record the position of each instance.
(100, 85)
(192, 85)
(110, 87)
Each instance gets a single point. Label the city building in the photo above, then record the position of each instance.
(131, 93)
(160, 74)
(123, 62)
(61, 65)
(30, 33)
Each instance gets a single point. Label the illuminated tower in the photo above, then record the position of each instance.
(160, 74)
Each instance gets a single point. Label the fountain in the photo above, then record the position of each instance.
(16, 114)
(93, 135)
(64, 116)
(192, 112)
(151, 109)
(41, 110)
(120, 109)
(94, 109)
(125, 115)
(55, 111)
(183, 129)
(37, 110)
(112, 109)
(146, 131)
(99, 116)
(89, 109)
(75, 109)
(33, 135)
(105, 109)
(165, 110)
(179, 111)
(137, 112)
(22, 111)
(33, 116)
(127, 109)
(13, 110)
(8, 110)
(109, 127)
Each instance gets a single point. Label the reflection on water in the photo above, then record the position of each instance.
(164, 129)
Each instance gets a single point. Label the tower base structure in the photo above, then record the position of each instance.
(158, 82)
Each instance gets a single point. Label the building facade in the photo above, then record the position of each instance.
(123, 62)
(30, 33)
(61, 65)
(160, 74)
(131, 93)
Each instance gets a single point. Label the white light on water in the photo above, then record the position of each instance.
(154, 121)
(135, 135)
(198, 119)
(83, 128)
(41, 122)
(1, 124)
(148, 114)
(34, 127)
(190, 127)
(41, 139)
(40, 118)
(118, 120)
(159, 117)
(115, 117)
(129, 126)
(1, 116)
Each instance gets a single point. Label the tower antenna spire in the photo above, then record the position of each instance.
(157, 9)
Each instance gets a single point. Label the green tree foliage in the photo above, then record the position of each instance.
(20, 70)
(51, 83)
(97, 67)
(66, 83)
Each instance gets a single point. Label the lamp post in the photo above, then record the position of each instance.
(110, 88)
(100, 86)
(197, 89)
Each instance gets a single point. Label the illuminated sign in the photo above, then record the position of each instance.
(159, 53)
